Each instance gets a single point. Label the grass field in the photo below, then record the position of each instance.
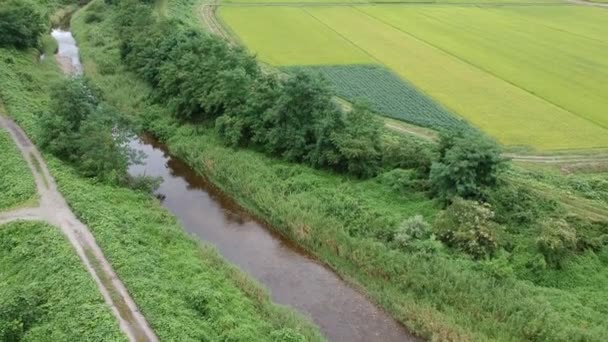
(45, 292)
(16, 181)
(542, 93)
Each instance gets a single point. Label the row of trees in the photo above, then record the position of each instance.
(201, 78)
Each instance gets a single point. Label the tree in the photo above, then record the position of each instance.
(359, 143)
(80, 130)
(468, 165)
(20, 24)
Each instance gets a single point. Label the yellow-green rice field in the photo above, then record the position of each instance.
(534, 76)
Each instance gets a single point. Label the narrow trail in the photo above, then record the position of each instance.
(54, 210)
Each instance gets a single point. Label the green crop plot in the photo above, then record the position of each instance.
(507, 82)
(288, 36)
(386, 94)
(16, 181)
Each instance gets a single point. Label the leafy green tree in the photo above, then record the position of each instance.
(20, 24)
(468, 165)
(79, 129)
(359, 143)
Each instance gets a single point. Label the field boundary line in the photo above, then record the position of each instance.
(342, 36)
(530, 20)
(391, 3)
(463, 60)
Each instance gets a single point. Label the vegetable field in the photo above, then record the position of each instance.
(529, 76)
(386, 94)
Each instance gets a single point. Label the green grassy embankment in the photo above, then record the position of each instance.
(349, 224)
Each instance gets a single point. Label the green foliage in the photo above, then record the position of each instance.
(468, 166)
(414, 228)
(45, 292)
(407, 153)
(386, 94)
(468, 226)
(21, 24)
(519, 206)
(79, 129)
(556, 240)
(16, 181)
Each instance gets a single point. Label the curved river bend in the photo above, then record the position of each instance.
(292, 276)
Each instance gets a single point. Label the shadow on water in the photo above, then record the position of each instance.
(293, 277)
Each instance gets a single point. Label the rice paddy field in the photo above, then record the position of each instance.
(531, 75)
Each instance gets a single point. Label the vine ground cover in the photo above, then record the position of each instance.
(514, 106)
(16, 182)
(45, 292)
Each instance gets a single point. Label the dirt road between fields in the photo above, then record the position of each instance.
(54, 210)
(588, 3)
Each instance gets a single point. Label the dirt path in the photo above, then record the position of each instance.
(588, 3)
(54, 209)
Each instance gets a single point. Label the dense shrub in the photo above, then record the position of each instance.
(556, 240)
(468, 226)
(414, 228)
(20, 24)
(518, 205)
(468, 166)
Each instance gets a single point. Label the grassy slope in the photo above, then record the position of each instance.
(185, 290)
(347, 223)
(17, 185)
(488, 102)
(44, 286)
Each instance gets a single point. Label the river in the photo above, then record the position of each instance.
(293, 277)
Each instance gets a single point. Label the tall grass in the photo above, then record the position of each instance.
(45, 293)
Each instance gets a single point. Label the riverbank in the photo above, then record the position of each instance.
(349, 225)
(185, 289)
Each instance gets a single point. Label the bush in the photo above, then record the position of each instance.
(414, 228)
(556, 240)
(518, 205)
(20, 24)
(468, 166)
(468, 226)
(403, 181)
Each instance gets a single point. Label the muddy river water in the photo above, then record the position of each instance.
(293, 277)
